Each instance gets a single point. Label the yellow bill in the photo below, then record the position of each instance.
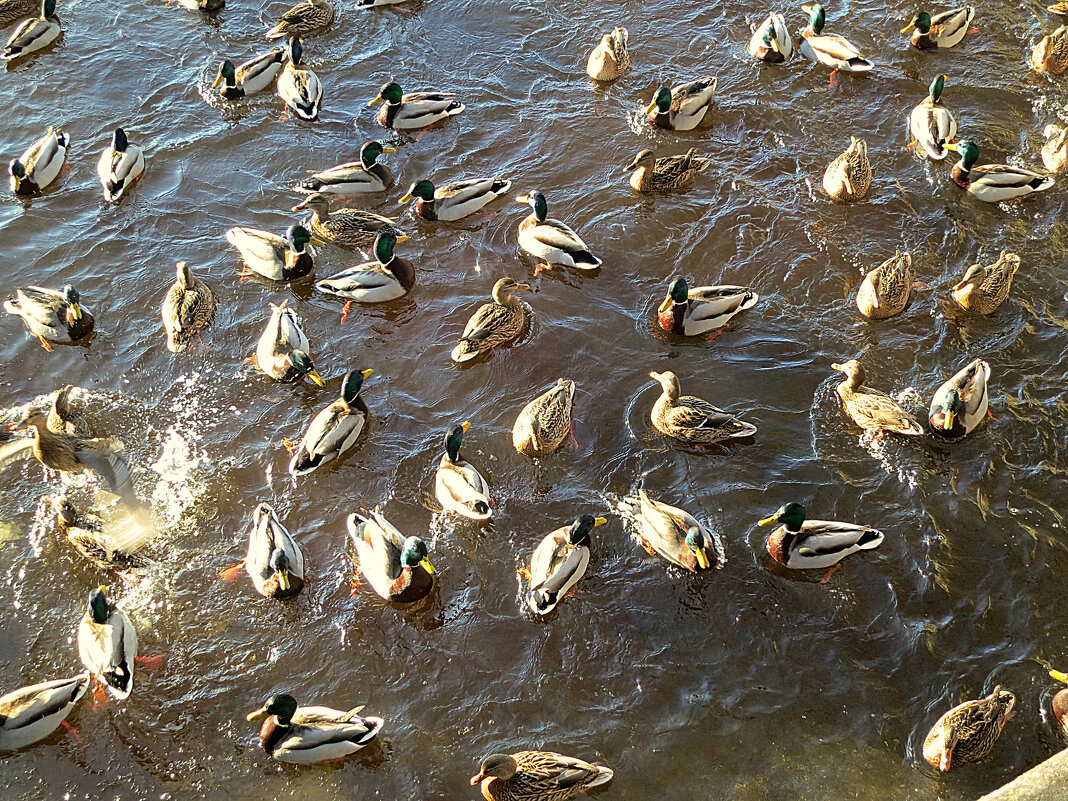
(768, 521)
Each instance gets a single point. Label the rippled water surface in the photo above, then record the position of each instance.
(746, 683)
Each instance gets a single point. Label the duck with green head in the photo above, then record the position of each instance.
(386, 278)
(559, 562)
(944, 29)
(354, 177)
(334, 429)
(455, 200)
(40, 165)
(695, 312)
(252, 76)
(298, 86)
(832, 51)
(403, 112)
(107, 644)
(51, 315)
(274, 560)
(33, 34)
(673, 533)
(960, 404)
(119, 166)
(802, 544)
(931, 124)
(282, 351)
(550, 240)
(276, 258)
(458, 486)
(993, 183)
(307, 734)
(771, 41)
(397, 567)
(683, 106)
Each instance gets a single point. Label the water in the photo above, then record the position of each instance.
(748, 683)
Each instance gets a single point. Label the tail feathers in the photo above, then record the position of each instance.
(604, 775)
(583, 258)
(63, 138)
(303, 462)
(455, 107)
(500, 186)
(859, 64)
(311, 185)
(1041, 182)
(871, 538)
(749, 301)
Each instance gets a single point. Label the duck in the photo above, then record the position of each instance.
(993, 183)
(537, 776)
(29, 714)
(188, 308)
(274, 560)
(693, 420)
(652, 174)
(39, 166)
(107, 644)
(455, 200)
(545, 422)
(298, 86)
(106, 550)
(252, 76)
(673, 533)
(1059, 704)
(870, 409)
(494, 324)
(694, 312)
(307, 18)
(1060, 8)
(943, 30)
(12, 11)
(832, 51)
(403, 112)
(960, 404)
(849, 176)
(386, 278)
(355, 177)
(119, 166)
(1055, 150)
(802, 544)
(65, 417)
(1051, 53)
(458, 486)
(984, 289)
(771, 41)
(397, 567)
(610, 58)
(551, 240)
(309, 734)
(282, 350)
(347, 228)
(334, 429)
(885, 291)
(931, 124)
(276, 258)
(968, 731)
(559, 562)
(683, 106)
(33, 34)
(52, 315)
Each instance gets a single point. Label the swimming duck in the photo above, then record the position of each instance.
(30, 714)
(610, 58)
(1060, 701)
(307, 734)
(494, 324)
(40, 164)
(282, 351)
(872, 410)
(298, 86)
(50, 314)
(354, 177)
(119, 166)
(832, 51)
(802, 544)
(458, 486)
(551, 240)
(968, 731)
(252, 76)
(414, 110)
(993, 183)
(673, 533)
(274, 257)
(334, 429)
(306, 18)
(537, 776)
(1051, 53)
(692, 312)
(771, 40)
(13, 10)
(693, 420)
(944, 29)
(545, 422)
(347, 228)
(387, 278)
(960, 404)
(107, 644)
(683, 106)
(1055, 150)
(849, 176)
(884, 292)
(558, 563)
(188, 308)
(65, 417)
(104, 549)
(931, 124)
(455, 200)
(274, 560)
(33, 34)
(983, 289)
(651, 174)
(397, 568)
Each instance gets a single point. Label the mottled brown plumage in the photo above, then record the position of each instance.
(884, 292)
(65, 417)
(983, 289)
(968, 731)
(494, 324)
(651, 174)
(1051, 53)
(545, 422)
(690, 419)
(188, 308)
(537, 776)
(849, 176)
(349, 228)
(872, 410)
(306, 18)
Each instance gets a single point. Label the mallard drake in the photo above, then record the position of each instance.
(65, 417)
(306, 18)
(282, 351)
(1051, 53)
(771, 40)
(551, 240)
(944, 29)
(274, 560)
(960, 404)
(683, 106)
(801, 544)
(545, 422)
(1059, 705)
(354, 177)
(884, 292)
(983, 289)
(13, 10)
(558, 563)
(107, 644)
(455, 200)
(1055, 150)
(119, 166)
(650, 174)
(673, 533)
(188, 308)
(85, 531)
(870, 409)
(610, 58)
(968, 731)
(693, 420)
(348, 228)
(415, 109)
(252, 76)
(274, 257)
(386, 278)
(537, 776)
(849, 176)
(204, 6)
(458, 486)
(931, 124)
(51, 314)
(397, 568)
(832, 51)
(30, 714)
(334, 429)
(692, 312)
(307, 734)
(33, 34)
(40, 164)
(298, 86)
(993, 183)
(494, 324)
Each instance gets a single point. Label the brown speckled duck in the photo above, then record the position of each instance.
(872, 410)
(968, 731)
(693, 420)
(494, 324)
(885, 291)
(545, 423)
(537, 776)
(652, 174)
(983, 289)
(1051, 53)
(849, 176)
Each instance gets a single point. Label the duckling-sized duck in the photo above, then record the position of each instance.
(693, 420)
(354, 177)
(849, 176)
(651, 174)
(931, 124)
(188, 308)
(1059, 704)
(334, 429)
(105, 550)
(13, 10)
(1055, 150)
(945, 29)
(119, 166)
(673, 533)
(308, 734)
(298, 86)
(537, 776)
(802, 544)
(253, 76)
(494, 324)
(885, 291)
(551, 240)
(1051, 53)
(282, 351)
(683, 106)
(693, 312)
(274, 257)
(993, 183)
(983, 289)
(65, 417)
(33, 34)
(274, 560)
(458, 486)
(545, 422)
(968, 731)
(387, 278)
(30, 714)
(960, 404)
(872, 410)
(832, 51)
(51, 314)
(306, 18)
(397, 568)
(610, 58)
(404, 112)
(771, 41)
(455, 200)
(107, 644)
(558, 563)
(40, 164)
(347, 228)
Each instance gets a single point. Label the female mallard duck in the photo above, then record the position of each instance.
(771, 40)
(307, 734)
(1051, 53)
(40, 164)
(458, 486)
(494, 324)
(884, 292)
(348, 228)
(33, 34)
(651, 174)
(67, 418)
(683, 106)
(801, 544)
(298, 86)
(993, 183)
(673, 533)
(610, 58)
(1055, 150)
(119, 166)
(968, 731)
(692, 312)
(693, 420)
(282, 352)
(188, 308)
(13, 10)
(545, 422)
(404, 112)
(253, 76)
(1060, 701)
(107, 644)
(85, 531)
(397, 568)
(537, 776)
(306, 18)
(387, 278)
(944, 29)
(872, 410)
(50, 314)
(274, 560)
(334, 429)
(274, 257)
(983, 289)
(960, 404)
(832, 51)
(558, 563)
(354, 177)
(30, 714)
(931, 124)
(551, 240)
(849, 176)
(455, 200)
